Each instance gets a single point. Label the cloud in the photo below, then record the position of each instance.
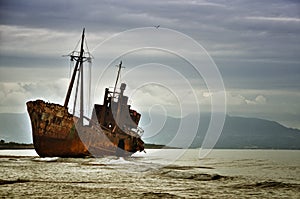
(245, 98)
(270, 104)
(13, 95)
(277, 19)
(207, 94)
(261, 99)
(258, 100)
(24, 41)
(239, 30)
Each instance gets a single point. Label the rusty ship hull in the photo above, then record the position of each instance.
(56, 133)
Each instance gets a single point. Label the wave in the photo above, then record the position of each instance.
(159, 195)
(46, 159)
(186, 167)
(119, 161)
(268, 184)
(193, 176)
(4, 182)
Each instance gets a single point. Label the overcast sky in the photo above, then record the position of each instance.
(255, 45)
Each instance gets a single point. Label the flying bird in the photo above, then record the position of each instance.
(157, 26)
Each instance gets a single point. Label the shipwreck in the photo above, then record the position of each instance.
(112, 130)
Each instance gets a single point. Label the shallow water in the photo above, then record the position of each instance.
(156, 174)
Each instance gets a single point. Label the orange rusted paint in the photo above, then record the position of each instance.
(56, 132)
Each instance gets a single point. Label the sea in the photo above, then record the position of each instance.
(158, 173)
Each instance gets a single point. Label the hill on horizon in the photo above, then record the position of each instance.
(237, 133)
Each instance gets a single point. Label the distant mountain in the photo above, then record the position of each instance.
(237, 133)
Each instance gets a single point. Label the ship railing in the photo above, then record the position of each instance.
(137, 131)
(140, 131)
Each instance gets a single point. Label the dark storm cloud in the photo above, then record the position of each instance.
(66, 15)
(244, 37)
(214, 22)
(124, 14)
(193, 17)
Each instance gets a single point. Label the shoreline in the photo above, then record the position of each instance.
(16, 146)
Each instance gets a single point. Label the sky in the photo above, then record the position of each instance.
(254, 45)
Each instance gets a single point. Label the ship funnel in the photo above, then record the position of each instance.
(122, 88)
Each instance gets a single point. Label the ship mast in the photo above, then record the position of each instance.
(79, 60)
(78, 67)
(119, 70)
